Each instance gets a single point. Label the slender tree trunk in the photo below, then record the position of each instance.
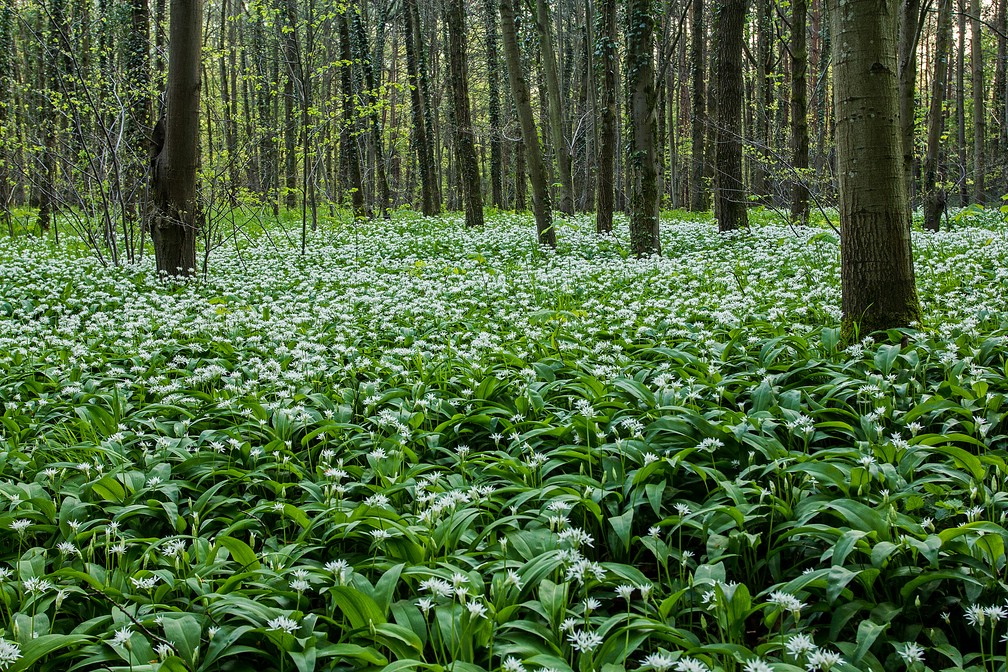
(642, 163)
(494, 104)
(979, 105)
(877, 275)
(348, 147)
(530, 135)
(961, 105)
(698, 101)
(7, 116)
(934, 196)
(293, 82)
(465, 146)
(544, 28)
(730, 206)
(178, 213)
(764, 100)
(909, 36)
(226, 49)
(799, 112)
(422, 139)
(607, 63)
(371, 94)
(1000, 140)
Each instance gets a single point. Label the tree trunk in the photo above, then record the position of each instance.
(909, 35)
(642, 163)
(422, 140)
(877, 275)
(7, 118)
(764, 100)
(178, 215)
(698, 40)
(799, 113)
(371, 94)
(229, 95)
(348, 146)
(530, 136)
(465, 146)
(544, 28)
(961, 104)
(979, 105)
(934, 196)
(605, 48)
(1000, 139)
(494, 105)
(730, 206)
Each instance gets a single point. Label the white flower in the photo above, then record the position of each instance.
(659, 662)
(996, 613)
(512, 664)
(425, 604)
(584, 641)
(9, 653)
(756, 665)
(163, 650)
(687, 664)
(786, 601)
(799, 644)
(283, 623)
(911, 653)
(20, 525)
(624, 591)
(476, 609)
(121, 636)
(822, 659)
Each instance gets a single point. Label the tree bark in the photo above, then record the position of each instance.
(530, 136)
(544, 28)
(934, 196)
(606, 64)
(348, 147)
(979, 109)
(371, 94)
(730, 207)
(799, 112)
(764, 100)
(424, 143)
(642, 163)
(910, 23)
(699, 198)
(178, 214)
(465, 146)
(877, 275)
(961, 104)
(494, 105)
(1000, 140)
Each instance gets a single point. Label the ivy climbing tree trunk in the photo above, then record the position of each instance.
(876, 269)
(178, 215)
(530, 135)
(642, 162)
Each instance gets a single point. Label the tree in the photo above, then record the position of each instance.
(416, 65)
(911, 22)
(934, 196)
(494, 105)
(465, 147)
(799, 112)
(530, 136)
(876, 274)
(606, 65)
(698, 101)
(642, 163)
(348, 145)
(979, 107)
(729, 189)
(178, 215)
(544, 28)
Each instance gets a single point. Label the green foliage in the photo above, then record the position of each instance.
(422, 446)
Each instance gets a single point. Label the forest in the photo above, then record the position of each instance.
(503, 335)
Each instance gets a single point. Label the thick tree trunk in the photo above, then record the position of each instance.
(178, 216)
(530, 136)
(799, 113)
(607, 63)
(494, 105)
(764, 100)
(979, 105)
(465, 146)
(730, 207)
(699, 198)
(642, 163)
(877, 276)
(999, 142)
(544, 28)
(934, 196)
(961, 104)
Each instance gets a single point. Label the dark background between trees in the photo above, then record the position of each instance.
(314, 107)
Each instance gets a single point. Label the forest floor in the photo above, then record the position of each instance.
(420, 445)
